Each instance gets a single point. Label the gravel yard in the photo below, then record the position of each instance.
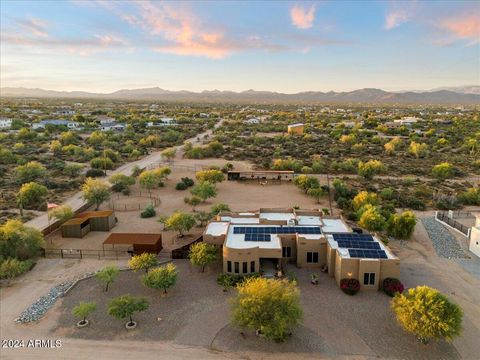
(443, 242)
(196, 312)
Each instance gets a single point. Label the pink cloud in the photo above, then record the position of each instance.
(33, 26)
(400, 13)
(465, 27)
(302, 17)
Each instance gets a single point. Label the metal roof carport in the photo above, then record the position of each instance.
(150, 243)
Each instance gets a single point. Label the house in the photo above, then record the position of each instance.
(102, 119)
(204, 115)
(168, 121)
(475, 236)
(296, 129)
(285, 175)
(64, 112)
(113, 126)
(71, 125)
(254, 241)
(252, 121)
(5, 123)
(407, 120)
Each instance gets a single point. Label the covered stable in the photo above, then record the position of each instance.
(284, 175)
(88, 221)
(141, 243)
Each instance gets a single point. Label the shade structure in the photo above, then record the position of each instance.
(150, 243)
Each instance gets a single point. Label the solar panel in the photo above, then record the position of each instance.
(353, 236)
(358, 244)
(277, 230)
(367, 254)
(257, 237)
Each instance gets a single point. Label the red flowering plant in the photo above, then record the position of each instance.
(391, 286)
(350, 286)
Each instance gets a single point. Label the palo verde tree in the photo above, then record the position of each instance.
(370, 168)
(194, 201)
(61, 213)
(19, 241)
(428, 314)
(269, 306)
(213, 176)
(401, 226)
(180, 222)
(201, 254)
(121, 182)
(169, 154)
(82, 310)
(204, 190)
(31, 171)
(125, 306)
(31, 194)
(443, 171)
(162, 277)
(107, 275)
(95, 191)
(144, 261)
(218, 208)
(371, 218)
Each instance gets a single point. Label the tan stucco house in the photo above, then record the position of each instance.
(248, 240)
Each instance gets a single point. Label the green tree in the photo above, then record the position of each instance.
(83, 309)
(269, 306)
(212, 176)
(125, 306)
(443, 171)
(204, 190)
(121, 182)
(73, 170)
(107, 275)
(371, 218)
(370, 168)
(316, 193)
(61, 213)
(201, 254)
(11, 268)
(31, 194)
(144, 261)
(169, 154)
(202, 217)
(30, 172)
(96, 138)
(401, 226)
(180, 222)
(428, 314)
(19, 241)
(162, 277)
(194, 201)
(104, 163)
(95, 191)
(218, 208)
(305, 182)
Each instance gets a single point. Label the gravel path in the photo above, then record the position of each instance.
(443, 242)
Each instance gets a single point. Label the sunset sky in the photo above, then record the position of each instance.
(104, 46)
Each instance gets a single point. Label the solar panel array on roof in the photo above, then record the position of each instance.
(277, 230)
(367, 254)
(369, 245)
(353, 236)
(258, 237)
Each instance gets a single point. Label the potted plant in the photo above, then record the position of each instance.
(392, 286)
(350, 286)
(82, 310)
(314, 279)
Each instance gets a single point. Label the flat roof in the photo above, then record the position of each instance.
(133, 239)
(334, 226)
(297, 124)
(93, 214)
(75, 221)
(217, 228)
(344, 252)
(277, 216)
(237, 241)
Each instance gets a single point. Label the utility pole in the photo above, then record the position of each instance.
(329, 197)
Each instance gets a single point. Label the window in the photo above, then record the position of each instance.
(237, 267)
(312, 257)
(245, 267)
(252, 266)
(286, 251)
(229, 266)
(369, 279)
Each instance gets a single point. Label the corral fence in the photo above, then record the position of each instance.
(85, 253)
(138, 200)
(447, 219)
(174, 166)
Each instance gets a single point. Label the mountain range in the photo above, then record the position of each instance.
(458, 95)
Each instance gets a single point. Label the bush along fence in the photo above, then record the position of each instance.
(452, 223)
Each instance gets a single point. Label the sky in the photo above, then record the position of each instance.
(106, 45)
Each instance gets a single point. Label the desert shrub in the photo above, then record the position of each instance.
(93, 173)
(11, 268)
(415, 204)
(148, 212)
(350, 286)
(187, 181)
(392, 286)
(446, 202)
(470, 196)
(181, 186)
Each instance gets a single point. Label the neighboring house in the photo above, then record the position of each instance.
(296, 129)
(252, 121)
(5, 123)
(475, 236)
(408, 120)
(102, 119)
(71, 125)
(166, 121)
(204, 115)
(113, 126)
(64, 112)
(251, 241)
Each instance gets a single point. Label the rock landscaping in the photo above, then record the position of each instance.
(443, 242)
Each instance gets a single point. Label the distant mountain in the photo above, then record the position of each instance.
(470, 95)
(470, 89)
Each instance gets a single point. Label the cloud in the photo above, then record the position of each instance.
(302, 17)
(33, 26)
(465, 27)
(400, 13)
